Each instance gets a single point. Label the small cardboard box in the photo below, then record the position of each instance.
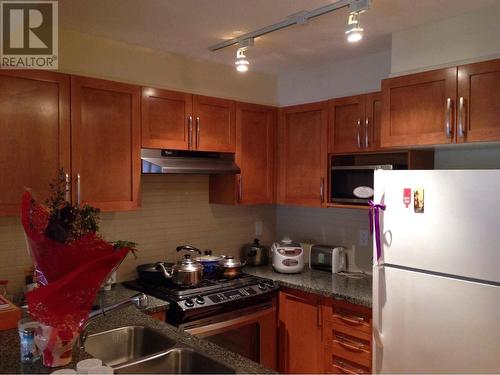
(9, 314)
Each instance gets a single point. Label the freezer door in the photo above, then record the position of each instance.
(458, 232)
(432, 324)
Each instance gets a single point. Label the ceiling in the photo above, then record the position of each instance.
(189, 27)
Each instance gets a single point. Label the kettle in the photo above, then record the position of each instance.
(255, 254)
(339, 259)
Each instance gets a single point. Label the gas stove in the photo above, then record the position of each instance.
(213, 297)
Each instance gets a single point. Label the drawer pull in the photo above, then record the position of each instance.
(349, 369)
(356, 320)
(349, 344)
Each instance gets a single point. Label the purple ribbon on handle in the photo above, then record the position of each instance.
(374, 215)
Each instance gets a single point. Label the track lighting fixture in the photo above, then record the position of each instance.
(354, 30)
(241, 60)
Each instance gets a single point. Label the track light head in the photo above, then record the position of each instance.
(354, 30)
(241, 61)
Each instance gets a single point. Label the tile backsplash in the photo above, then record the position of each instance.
(175, 211)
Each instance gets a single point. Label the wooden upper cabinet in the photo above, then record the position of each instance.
(478, 103)
(35, 134)
(373, 121)
(166, 119)
(346, 125)
(255, 134)
(215, 124)
(418, 109)
(300, 333)
(354, 123)
(255, 128)
(302, 145)
(106, 132)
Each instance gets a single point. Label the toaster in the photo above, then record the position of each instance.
(328, 258)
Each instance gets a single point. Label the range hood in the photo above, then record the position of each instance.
(187, 162)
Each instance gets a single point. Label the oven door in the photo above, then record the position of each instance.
(250, 332)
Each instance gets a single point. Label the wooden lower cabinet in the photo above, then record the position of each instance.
(300, 333)
(323, 335)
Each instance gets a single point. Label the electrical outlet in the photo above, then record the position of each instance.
(258, 228)
(363, 237)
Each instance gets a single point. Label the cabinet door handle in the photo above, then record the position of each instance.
(358, 136)
(78, 189)
(447, 124)
(349, 344)
(197, 132)
(322, 190)
(66, 193)
(461, 128)
(366, 133)
(190, 132)
(240, 188)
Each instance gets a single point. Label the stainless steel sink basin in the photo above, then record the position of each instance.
(126, 344)
(176, 361)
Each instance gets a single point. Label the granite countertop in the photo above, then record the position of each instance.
(9, 340)
(357, 291)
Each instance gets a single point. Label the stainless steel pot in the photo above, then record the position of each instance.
(230, 268)
(186, 273)
(255, 254)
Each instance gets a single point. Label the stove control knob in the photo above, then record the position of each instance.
(261, 286)
(270, 284)
(189, 302)
(200, 300)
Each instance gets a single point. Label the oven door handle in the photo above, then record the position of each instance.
(222, 326)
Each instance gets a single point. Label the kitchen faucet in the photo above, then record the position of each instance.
(139, 300)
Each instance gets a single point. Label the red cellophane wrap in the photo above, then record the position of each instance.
(70, 275)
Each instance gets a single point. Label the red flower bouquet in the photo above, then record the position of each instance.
(71, 262)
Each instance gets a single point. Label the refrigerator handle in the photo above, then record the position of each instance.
(378, 272)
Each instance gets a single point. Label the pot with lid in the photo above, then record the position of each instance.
(255, 254)
(209, 262)
(230, 268)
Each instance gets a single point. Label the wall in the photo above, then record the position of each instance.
(472, 157)
(466, 38)
(174, 211)
(103, 58)
(327, 226)
(341, 78)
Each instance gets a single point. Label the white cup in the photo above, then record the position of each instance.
(88, 366)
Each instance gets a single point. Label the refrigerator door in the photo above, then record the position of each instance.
(432, 324)
(458, 232)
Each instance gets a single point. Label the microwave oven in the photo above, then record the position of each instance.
(354, 184)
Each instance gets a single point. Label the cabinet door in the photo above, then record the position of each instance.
(373, 121)
(418, 108)
(166, 119)
(35, 134)
(255, 126)
(346, 126)
(302, 145)
(106, 143)
(478, 107)
(215, 124)
(300, 333)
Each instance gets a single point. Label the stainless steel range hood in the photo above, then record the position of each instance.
(187, 162)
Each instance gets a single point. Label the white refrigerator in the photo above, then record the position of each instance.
(436, 284)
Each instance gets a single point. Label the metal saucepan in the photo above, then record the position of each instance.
(151, 273)
(230, 268)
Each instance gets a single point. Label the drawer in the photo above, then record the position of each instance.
(351, 320)
(341, 366)
(352, 349)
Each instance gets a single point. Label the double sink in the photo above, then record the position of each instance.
(137, 349)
